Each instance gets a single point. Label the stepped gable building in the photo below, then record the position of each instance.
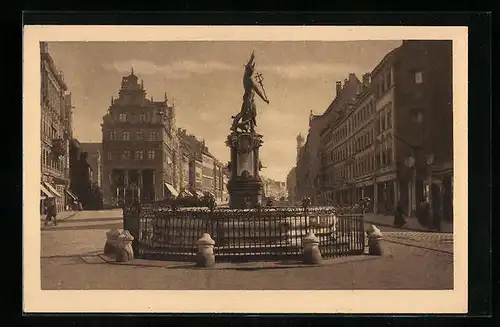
(139, 146)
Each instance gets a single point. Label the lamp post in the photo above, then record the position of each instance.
(429, 160)
(412, 205)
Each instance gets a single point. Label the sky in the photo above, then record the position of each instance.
(204, 80)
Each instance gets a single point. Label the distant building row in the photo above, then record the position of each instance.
(146, 157)
(388, 136)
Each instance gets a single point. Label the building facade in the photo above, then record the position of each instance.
(81, 178)
(56, 133)
(140, 147)
(94, 159)
(309, 165)
(395, 143)
(274, 189)
(208, 169)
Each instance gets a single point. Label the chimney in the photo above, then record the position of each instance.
(345, 82)
(366, 79)
(338, 87)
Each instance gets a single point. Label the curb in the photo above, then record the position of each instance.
(250, 266)
(59, 219)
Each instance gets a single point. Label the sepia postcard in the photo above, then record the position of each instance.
(245, 169)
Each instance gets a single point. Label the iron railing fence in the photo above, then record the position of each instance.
(243, 234)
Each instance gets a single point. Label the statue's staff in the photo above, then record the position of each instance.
(260, 80)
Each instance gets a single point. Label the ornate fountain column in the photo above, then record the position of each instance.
(245, 184)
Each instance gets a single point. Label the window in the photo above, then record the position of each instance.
(112, 135)
(419, 78)
(126, 136)
(122, 117)
(152, 136)
(389, 116)
(151, 154)
(139, 155)
(110, 155)
(126, 155)
(142, 117)
(139, 136)
(382, 120)
(416, 116)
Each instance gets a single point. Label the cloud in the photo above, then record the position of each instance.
(311, 70)
(174, 70)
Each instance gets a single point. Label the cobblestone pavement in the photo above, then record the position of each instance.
(411, 223)
(70, 259)
(82, 234)
(403, 268)
(434, 241)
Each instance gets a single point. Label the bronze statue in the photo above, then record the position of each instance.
(248, 111)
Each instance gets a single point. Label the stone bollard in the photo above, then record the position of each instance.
(374, 241)
(311, 255)
(111, 242)
(124, 251)
(205, 256)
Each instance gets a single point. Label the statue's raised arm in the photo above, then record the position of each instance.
(251, 84)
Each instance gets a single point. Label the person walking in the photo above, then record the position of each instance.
(399, 219)
(51, 212)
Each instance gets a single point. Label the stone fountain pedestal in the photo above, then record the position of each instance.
(245, 186)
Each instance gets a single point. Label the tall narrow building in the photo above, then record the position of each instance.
(140, 147)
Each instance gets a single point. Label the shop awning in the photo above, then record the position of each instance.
(172, 189)
(73, 196)
(46, 192)
(52, 189)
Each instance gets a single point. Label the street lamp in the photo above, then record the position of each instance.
(410, 163)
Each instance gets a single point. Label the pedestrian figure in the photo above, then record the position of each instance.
(51, 213)
(423, 213)
(399, 219)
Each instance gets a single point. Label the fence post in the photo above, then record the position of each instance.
(306, 202)
(131, 223)
(312, 254)
(205, 256)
